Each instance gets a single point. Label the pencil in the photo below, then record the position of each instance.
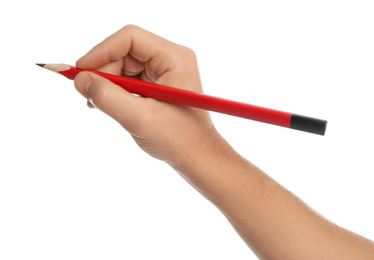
(203, 101)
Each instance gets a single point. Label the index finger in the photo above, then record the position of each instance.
(141, 44)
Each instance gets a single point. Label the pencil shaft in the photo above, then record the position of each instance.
(194, 99)
(206, 102)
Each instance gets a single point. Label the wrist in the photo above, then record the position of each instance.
(209, 165)
(197, 152)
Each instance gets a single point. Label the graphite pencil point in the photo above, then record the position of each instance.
(40, 64)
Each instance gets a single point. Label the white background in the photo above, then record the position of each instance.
(74, 185)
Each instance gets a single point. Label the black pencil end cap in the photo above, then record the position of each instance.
(40, 64)
(308, 124)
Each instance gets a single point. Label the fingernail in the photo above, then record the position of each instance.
(82, 83)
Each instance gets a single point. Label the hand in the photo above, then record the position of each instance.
(166, 131)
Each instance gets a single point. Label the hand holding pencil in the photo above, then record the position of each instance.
(157, 64)
(163, 130)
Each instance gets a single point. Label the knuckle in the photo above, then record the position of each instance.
(188, 54)
(130, 28)
(188, 61)
(188, 57)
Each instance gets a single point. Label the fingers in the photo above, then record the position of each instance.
(114, 67)
(132, 66)
(140, 44)
(109, 98)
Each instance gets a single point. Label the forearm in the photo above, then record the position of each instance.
(269, 218)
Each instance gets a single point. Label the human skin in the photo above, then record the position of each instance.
(272, 221)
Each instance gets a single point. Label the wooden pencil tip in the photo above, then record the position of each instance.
(40, 64)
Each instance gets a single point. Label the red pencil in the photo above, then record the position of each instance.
(202, 101)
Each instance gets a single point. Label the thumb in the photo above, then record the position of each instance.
(109, 98)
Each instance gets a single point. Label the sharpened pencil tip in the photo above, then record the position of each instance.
(40, 64)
